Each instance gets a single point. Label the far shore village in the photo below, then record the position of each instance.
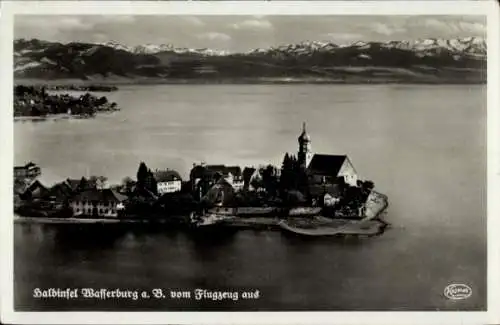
(311, 179)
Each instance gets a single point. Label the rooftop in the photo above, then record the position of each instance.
(167, 176)
(199, 171)
(326, 164)
(74, 183)
(105, 195)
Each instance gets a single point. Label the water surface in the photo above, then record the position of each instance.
(423, 146)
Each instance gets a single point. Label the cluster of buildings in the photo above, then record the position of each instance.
(82, 196)
(325, 173)
(218, 183)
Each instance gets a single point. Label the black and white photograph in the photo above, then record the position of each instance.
(249, 163)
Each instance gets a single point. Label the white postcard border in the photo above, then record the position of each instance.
(488, 8)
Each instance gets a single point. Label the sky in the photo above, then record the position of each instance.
(242, 33)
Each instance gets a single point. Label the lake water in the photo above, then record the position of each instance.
(423, 146)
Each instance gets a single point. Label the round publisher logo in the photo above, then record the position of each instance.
(457, 291)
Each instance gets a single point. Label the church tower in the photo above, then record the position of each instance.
(305, 155)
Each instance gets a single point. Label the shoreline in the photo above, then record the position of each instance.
(34, 103)
(53, 117)
(62, 85)
(264, 222)
(257, 81)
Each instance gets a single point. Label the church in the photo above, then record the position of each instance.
(321, 168)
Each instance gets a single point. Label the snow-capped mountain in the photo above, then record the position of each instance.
(117, 46)
(41, 59)
(158, 48)
(475, 46)
(467, 45)
(140, 49)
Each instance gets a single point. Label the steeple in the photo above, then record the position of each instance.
(304, 155)
(304, 137)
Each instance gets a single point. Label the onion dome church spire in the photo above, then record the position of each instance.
(304, 137)
(305, 154)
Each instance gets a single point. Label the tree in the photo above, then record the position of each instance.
(269, 179)
(92, 182)
(352, 195)
(103, 100)
(102, 181)
(151, 183)
(366, 188)
(83, 185)
(369, 185)
(287, 174)
(98, 182)
(127, 184)
(142, 174)
(146, 179)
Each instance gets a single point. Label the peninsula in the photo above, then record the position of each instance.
(37, 102)
(311, 194)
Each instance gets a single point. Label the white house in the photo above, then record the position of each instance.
(98, 203)
(168, 181)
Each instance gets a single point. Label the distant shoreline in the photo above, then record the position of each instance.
(246, 81)
(49, 117)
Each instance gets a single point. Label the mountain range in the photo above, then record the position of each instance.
(459, 60)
